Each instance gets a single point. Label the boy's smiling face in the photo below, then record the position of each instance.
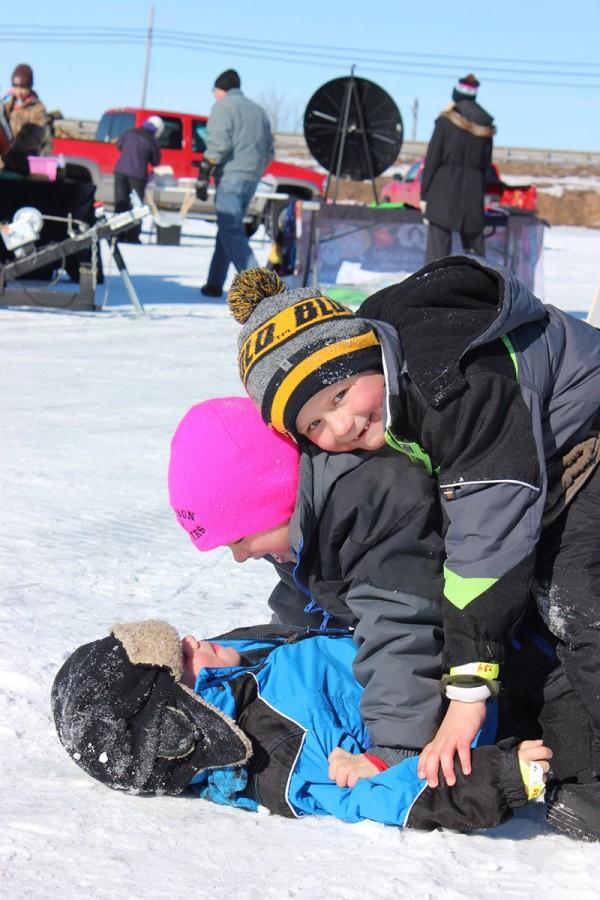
(347, 415)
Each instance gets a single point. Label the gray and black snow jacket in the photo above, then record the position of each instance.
(486, 386)
(366, 530)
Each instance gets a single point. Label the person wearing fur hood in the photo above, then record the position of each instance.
(458, 159)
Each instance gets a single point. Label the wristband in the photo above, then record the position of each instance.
(379, 764)
(467, 694)
(489, 671)
(472, 681)
(533, 778)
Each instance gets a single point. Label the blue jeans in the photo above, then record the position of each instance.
(232, 199)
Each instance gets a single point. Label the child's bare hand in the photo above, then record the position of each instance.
(347, 768)
(534, 763)
(455, 735)
(535, 751)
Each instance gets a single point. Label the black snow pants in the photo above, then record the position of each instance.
(439, 243)
(567, 592)
(124, 184)
(538, 701)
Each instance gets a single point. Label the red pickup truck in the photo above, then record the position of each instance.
(182, 147)
(407, 190)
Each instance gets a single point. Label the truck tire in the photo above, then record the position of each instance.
(274, 213)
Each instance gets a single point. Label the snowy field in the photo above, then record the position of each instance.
(89, 402)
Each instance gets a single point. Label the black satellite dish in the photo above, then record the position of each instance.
(353, 129)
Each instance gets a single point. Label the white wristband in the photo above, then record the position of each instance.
(468, 694)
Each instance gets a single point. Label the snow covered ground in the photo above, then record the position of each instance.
(89, 402)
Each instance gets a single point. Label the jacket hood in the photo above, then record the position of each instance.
(472, 301)
(473, 112)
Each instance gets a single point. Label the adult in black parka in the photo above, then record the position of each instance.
(458, 158)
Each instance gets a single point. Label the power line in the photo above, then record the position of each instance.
(254, 49)
(309, 47)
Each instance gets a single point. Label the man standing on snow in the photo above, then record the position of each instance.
(239, 145)
(453, 185)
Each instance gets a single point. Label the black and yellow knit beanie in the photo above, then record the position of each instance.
(294, 343)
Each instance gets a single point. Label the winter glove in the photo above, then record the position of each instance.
(206, 169)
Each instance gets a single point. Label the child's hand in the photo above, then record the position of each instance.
(461, 723)
(347, 768)
(534, 764)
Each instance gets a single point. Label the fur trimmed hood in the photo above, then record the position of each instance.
(477, 130)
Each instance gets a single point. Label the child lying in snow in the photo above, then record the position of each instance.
(261, 718)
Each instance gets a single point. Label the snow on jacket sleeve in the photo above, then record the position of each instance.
(397, 796)
(388, 548)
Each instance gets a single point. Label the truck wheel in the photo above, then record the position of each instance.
(274, 215)
(252, 226)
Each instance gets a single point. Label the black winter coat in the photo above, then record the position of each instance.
(458, 157)
(139, 149)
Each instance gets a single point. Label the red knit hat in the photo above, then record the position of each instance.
(230, 475)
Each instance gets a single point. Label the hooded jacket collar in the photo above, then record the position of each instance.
(429, 301)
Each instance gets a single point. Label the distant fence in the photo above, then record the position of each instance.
(295, 145)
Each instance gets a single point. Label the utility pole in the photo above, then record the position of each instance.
(148, 52)
(415, 116)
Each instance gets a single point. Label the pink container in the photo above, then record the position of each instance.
(43, 165)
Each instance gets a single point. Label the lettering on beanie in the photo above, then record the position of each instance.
(286, 324)
(185, 514)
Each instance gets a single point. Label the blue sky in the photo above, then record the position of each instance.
(287, 50)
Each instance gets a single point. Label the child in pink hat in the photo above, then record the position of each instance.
(234, 481)
(229, 475)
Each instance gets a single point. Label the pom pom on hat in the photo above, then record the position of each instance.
(229, 475)
(248, 288)
(467, 86)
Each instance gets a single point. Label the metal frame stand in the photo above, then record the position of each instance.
(84, 298)
(351, 91)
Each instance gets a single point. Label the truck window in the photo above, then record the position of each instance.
(198, 135)
(171, 138)
(121, 122)
(103, 129)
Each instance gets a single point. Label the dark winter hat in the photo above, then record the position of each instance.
(228, 80)
(294, 343)
(466, 88)
(123, 715)
(22, 76)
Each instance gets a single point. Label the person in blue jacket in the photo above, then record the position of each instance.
(261, 719)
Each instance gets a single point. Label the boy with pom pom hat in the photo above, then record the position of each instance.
(497, 397)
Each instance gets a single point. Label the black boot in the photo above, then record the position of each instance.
(210, 290)
(574, 809)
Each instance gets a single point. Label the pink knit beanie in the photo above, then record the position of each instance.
(229, 474)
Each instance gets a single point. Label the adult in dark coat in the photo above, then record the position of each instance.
(139, 149)
(453, 184)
